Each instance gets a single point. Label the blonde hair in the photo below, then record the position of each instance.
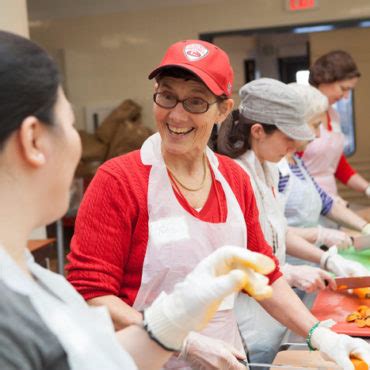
(315, 102)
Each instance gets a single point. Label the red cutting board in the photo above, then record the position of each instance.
(337, 306)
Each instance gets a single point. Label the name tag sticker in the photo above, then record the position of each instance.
(168, 230)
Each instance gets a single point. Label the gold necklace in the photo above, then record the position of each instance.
(174, 178)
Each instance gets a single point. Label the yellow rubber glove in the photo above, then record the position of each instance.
(195, 300)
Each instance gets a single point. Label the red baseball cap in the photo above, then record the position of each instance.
(207, 61)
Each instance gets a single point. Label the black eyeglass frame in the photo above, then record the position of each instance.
(177, 101)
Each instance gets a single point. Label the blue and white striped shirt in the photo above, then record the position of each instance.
(326, 199)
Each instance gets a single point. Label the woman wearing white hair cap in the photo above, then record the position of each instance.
(269, 123)
(305, 200)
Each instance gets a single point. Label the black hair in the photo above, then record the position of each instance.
(177, 72)
(184, 74)
(29, 81)
(336, 65)
(233, 138)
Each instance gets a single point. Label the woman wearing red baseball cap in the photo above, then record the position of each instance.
(149, 216)
(44, 323)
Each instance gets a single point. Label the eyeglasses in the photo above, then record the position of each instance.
(191, 105)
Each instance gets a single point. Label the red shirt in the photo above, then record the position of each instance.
(111, 231)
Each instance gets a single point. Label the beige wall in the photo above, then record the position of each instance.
(238, 48)
(242, 47)
(13, 16)
(107, 58)
(353, 40)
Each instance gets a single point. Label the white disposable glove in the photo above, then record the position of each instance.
(338, 347)
(195, 300)
(366, 229)
(330, 237)
(340, 266)
(367, 191)
(207, 353)
(307, 278)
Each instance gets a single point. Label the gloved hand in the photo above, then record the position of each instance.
(195, 300)
(338, 347)
(366, 229)
(335, 263)
(307, 278)
(203, 352)
(330, 237)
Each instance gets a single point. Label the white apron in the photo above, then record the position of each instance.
(322, 155)
(85, 333)
(178, 241)
(261, 333)
(264, 179)
(303, 203)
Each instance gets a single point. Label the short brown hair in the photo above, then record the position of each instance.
(334, 66)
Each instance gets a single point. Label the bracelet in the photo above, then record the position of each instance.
(324, 261)
(145, 326)
(308, 339)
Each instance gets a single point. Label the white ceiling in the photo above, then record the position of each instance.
(54, 9)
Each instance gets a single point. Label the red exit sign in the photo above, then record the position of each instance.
(294, 5)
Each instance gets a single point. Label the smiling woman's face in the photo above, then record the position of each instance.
(185, 133)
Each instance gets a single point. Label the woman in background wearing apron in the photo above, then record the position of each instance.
(335, 74)
(305, 201)
(44, 323)
(267, 126)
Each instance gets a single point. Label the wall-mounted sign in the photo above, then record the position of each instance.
(297, 5)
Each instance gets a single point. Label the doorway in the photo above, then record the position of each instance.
(289, 66)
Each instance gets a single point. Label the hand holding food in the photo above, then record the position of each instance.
(195, 300)
(339, 347)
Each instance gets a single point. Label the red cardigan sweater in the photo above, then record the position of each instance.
(111, 231)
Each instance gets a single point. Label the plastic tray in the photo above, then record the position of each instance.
(336, 306)
(363, 257)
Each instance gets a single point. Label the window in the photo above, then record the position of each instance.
(346, 113)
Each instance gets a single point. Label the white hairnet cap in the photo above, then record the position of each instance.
(273, 102)
(315, 102)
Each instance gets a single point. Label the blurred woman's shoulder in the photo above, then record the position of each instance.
(25, 341)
